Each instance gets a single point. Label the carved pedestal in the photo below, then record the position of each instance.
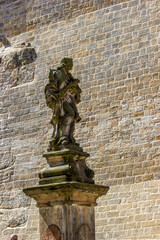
(66, 197)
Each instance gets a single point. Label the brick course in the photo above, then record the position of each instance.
(115, 48)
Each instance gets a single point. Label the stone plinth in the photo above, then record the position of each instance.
(66, 165)
(66, 197)
(74, 222)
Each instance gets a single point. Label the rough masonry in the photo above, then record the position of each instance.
(115, 47)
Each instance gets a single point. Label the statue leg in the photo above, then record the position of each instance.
(56, 135)
(66, 129)
(71, 133)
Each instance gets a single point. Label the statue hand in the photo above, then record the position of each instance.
(74, 83)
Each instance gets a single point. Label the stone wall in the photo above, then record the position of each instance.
(115, 47)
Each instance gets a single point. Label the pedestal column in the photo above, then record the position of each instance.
(66, 197)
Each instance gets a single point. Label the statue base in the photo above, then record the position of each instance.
(66, 197)
(61, 147)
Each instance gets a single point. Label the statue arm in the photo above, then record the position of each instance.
(70, 86)
(53, 93)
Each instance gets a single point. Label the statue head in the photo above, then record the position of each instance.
(66, 63)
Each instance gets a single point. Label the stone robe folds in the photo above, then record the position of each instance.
(62, 94)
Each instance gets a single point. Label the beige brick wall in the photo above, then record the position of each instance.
(115, 47)
(129, 212)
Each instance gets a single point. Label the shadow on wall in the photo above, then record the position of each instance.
(13, 16)
(21, 16)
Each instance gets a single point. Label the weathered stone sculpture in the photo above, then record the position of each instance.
(62, 94)
(66, 194)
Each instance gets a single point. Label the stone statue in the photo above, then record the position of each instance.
(62, 94)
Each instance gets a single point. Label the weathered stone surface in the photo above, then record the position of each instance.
(14, 57)
(19, 218)
(66, 165)
(72, 199)
(66, 192)
(81, 217)
(18, 61)
(62, 94)
(67, 183)
(31, 15)
(17, 201)
(124, 150)
(6, 160)
(52, 232)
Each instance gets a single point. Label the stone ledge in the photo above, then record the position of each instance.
(66, 192)
(66, 152)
